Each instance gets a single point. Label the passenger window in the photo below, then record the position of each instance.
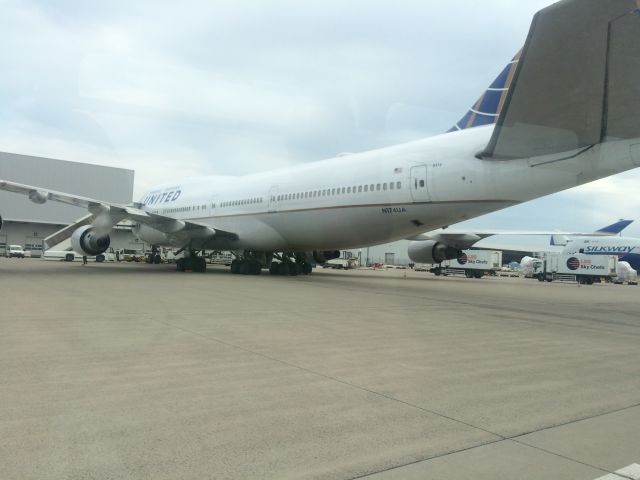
(344, 190)
(360, 189)
(384, 186)
(348, 189)
(378, 187)
(391, 185)
(371, 187)
(366, 188)
(421, 183)
(399, 185)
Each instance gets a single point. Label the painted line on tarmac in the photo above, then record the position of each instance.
(631, 472)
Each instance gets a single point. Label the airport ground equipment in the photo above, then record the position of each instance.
(626, 274)
(15, 251)
(585, 269)
(471, 263)
(342, 263)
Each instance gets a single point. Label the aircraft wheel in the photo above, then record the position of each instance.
(255, 267)
(235, 267)
(199, 265)
(284, 269)
(245, 267)
(274, 268)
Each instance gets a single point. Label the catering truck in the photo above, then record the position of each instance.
(585, 269)
(471, 263)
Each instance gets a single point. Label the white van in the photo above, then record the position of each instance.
(15, 251)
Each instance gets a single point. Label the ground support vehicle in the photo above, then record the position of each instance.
(584, 269)
(15, 251)
(341, 263)
(471, 264)
(220, 258)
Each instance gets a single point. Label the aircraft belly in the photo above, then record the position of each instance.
(347, 227)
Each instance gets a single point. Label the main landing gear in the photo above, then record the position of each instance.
(191, 262)
(153, 257)
(252, 263)
(291, 264)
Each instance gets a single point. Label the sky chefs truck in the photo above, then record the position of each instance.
(585, 269)
(471, 263)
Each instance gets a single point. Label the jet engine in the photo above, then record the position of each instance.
(88, 241)
(430, 251)
(324, 257)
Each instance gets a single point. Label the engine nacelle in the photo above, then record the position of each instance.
(38, 197)
(431, 251)
(88, 241)
(325, 256)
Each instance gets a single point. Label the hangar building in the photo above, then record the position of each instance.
(28, 224)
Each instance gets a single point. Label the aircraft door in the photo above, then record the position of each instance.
(419, 189)
(273, 199)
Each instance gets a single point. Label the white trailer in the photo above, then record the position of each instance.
(585, 269)
(471, 263)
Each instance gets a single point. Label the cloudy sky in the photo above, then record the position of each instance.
(173, 89)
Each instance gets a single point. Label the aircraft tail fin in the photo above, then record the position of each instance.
(576, 84)
(616, 228)
(488, 107)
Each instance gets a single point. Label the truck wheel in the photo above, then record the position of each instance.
(541, 277)
(69, 257)
(589, 280)
(479, 275)
(99, 258)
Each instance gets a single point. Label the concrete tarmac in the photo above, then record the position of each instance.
(130, 371)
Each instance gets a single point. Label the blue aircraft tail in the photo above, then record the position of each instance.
(488, 107)
(616, 228)
(610, 230)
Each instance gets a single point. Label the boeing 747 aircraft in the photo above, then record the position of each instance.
(569, 115)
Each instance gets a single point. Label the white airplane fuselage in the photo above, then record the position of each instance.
(373, 197)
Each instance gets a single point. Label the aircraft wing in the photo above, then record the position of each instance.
(113, 213)
(466, 239)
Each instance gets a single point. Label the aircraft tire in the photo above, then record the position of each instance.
(255, 268)
(235, 267)
(284, 269)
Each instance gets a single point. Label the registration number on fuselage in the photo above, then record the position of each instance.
(394, 210)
